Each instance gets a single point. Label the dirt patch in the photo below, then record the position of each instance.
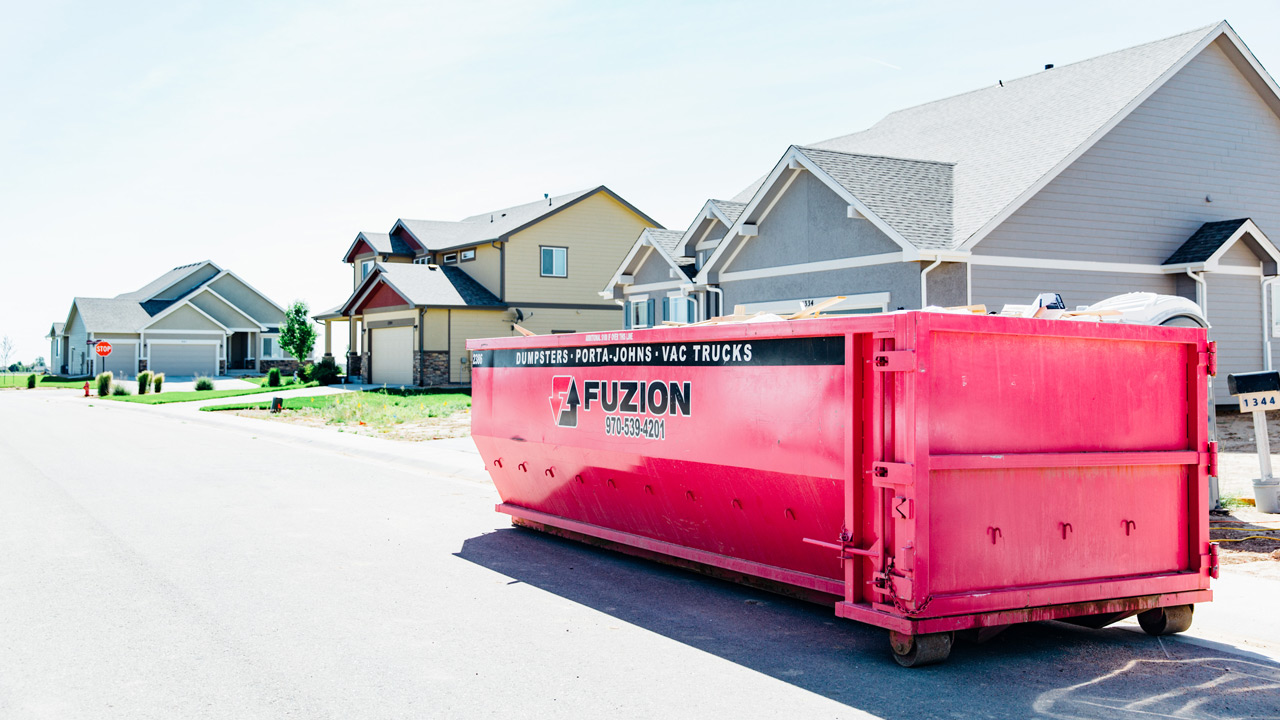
(1235, 430)
(455, 425)
(1250, 541)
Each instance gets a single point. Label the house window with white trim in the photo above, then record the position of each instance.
(681, 308)
(468, 255)
(270, 348)
(365, 268)
(451, 258)
(640, 317)
(555, 262)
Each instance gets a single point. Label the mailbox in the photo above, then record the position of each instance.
(1256, 390)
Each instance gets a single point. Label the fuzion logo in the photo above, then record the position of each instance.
(655, 398)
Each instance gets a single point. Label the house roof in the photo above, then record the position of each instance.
(56, 330)
(496, 224)
(730, 209)
(426, 286)
(382, 244)
(1006, 138)
(668, 239)
(146, 292)
(1205, 241)
(913, 196)
(114, 315)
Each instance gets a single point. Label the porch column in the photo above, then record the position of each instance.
(328, 338)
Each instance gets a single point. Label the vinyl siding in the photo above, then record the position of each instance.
(545, 320)
(486, 268)
(1236, 318)
(247, 300)
(598, 231)
(184, 318)
(473, 324)
(1239, 254)
(1138, 193)
(900, 280)
(998, 286)
(77, 336)
(436, 323)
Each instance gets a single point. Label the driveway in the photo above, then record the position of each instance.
(171, 566)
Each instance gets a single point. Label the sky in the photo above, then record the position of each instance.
(135, 137)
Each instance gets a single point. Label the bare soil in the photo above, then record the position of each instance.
(455, 425)
(1258, 555)
(1235, 430)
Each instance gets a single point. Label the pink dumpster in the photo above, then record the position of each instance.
(927, 473)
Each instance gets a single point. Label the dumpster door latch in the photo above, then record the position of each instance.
(894, 360)
(889, 474)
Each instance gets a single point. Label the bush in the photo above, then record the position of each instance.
(204, 383)
(158, 381)
(325, 372)
(144, 382)
(119, 390)
(104, 383)
(305, 372)
(273, 377)
(31, 382)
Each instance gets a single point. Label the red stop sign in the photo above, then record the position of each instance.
(103, 348)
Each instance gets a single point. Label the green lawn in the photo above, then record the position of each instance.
(192, 395)
(48, 381)
(374, 407)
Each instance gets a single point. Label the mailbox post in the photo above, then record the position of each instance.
(1259, 392)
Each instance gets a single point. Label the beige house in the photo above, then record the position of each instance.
(423, 289)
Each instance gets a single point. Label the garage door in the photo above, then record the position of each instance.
(122, 362)
(179, 360)
(393, 356)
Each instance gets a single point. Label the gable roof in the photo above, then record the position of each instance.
(425, 286)
(1205, 241)
(113, 315)
(499, 224)
(380, 243)
(666, 244)
(56, 330)
(151, 289)
(912, 196)
(1008, 140)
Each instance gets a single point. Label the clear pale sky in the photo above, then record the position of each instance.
(135, 137)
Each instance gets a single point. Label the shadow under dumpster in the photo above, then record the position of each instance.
(1034, 670)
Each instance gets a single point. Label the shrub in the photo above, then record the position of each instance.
(305, 372)
(31, 382)
(158, 381)
(325, 372)
(273, 377)
(104, 383)
(204, 383)
(119, 390)
(144, 382)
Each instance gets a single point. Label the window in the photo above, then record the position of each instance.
(468, 255)
(268, 347)
(555, 262)
(681, 308)
(421, 261)
(451, 258)
(365, 268)
(640, 313)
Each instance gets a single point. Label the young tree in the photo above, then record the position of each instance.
(298, 336)
(6, 349)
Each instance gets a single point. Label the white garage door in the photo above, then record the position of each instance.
(393, 356)
(122, 362)
(179, 360)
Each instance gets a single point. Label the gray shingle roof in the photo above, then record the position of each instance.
(488, 226)
(384, 243)
(1205, 241)
(162, 282)
(57, 328)
(913, 196)
(1003, 139)
(112, 315)
(732, 210)
(445, 286)
(668, 239)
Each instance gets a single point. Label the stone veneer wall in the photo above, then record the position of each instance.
(222, 367)
(431, 368)
(353, 365)
(142, 365)
(287, 367)
(366, 364)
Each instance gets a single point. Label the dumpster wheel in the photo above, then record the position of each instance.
(1166, 620)
(917, 650)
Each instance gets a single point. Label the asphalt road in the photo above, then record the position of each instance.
(156, 566)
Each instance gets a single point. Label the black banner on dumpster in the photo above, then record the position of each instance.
(719, 353)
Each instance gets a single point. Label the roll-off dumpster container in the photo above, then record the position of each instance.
(924, 472)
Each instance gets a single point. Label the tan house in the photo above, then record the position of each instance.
(423, 289)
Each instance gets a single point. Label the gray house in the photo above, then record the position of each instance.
(196, 319)
(1155, 168)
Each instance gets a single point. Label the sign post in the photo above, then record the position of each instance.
(1259, 392)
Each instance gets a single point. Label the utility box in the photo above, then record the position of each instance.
(924, 472)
